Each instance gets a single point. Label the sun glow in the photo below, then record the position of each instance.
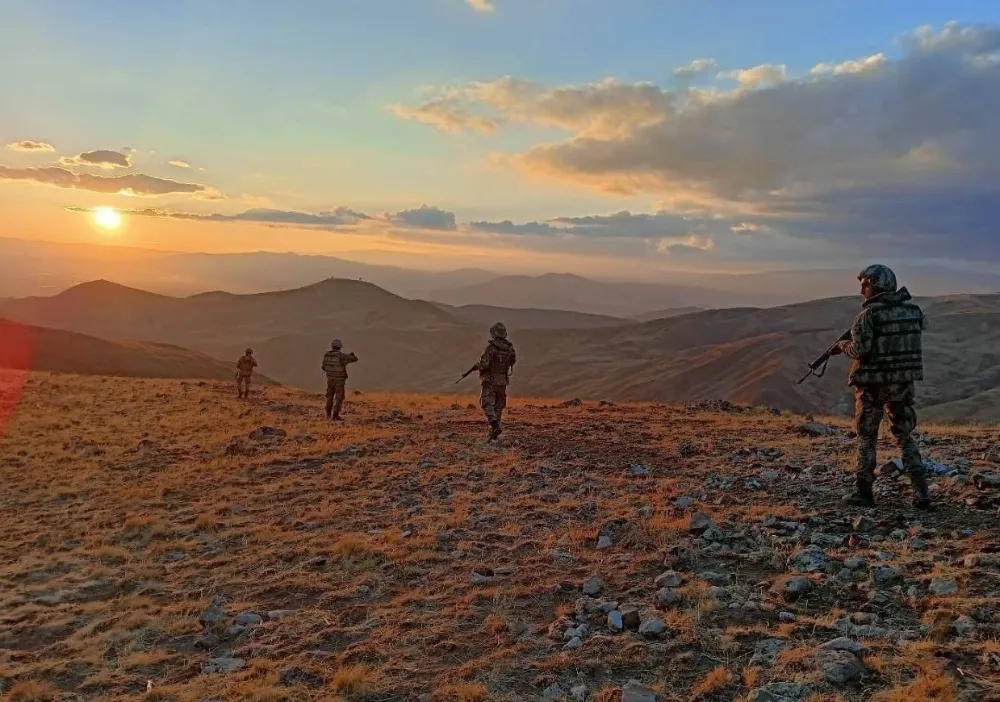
(107, 218)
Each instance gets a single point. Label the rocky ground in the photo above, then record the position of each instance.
(162, 540)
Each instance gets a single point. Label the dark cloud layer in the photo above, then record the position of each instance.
(135, 184)
(101, 158)
(425, 217)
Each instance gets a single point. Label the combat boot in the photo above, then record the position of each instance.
(337, 418)
(921, 493)
(495, 430)
(862, 495)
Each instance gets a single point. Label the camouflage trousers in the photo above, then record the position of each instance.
(871, 403)
(336, 389)
(242, 384)
(493, 400)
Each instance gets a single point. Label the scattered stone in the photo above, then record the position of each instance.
(792, 589)
(633, 691)
(976, 560)
(573, 644)
(638, 471)
(267, 434)
(826, 540)
(886, 577)
(766, 651)
(213, 617)
(770, 475)
(593, 586)
(298, 676)
(864, 618)
(615, 621)
(249, 619)
(855, 563)
(223, 665)
(986, 479)
(208, 642)
(683, 502)
(666, 597)
(863, 524)
(646, 512)
(631, 617)
(604, 541)
(652, 628)
(943, 586)
(816, 429)
(579, 693)
(780, 692)
(786, 617)
(964, 626)
(276, 615)
(811, 560)
(671, 578)
(845, 644)
(699, 523)
(553, 692)
(608, 607)
(918, 544)
(839, 667)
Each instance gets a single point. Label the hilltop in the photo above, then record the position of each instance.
(161, 540)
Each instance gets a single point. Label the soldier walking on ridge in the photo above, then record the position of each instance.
(244, 369)
(494, 368)
(885, 346)
(335, 366)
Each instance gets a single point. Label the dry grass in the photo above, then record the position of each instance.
(368, 534)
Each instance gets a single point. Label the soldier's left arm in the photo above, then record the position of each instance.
(484, 360)
(862, 336)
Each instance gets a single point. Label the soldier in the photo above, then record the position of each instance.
(885, 346)
(494, 368)
(244, 369)
(335, 366)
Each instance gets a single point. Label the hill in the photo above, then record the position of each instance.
(665, 314)
(517, 319)
(164, 541)
(32, 348)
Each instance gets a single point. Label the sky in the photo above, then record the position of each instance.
(635, 136)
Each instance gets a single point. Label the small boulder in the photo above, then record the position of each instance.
(840, 667)
(780, 692)
(816, 429)
(593, 586)
(885, 576)
(766, 651)
(631, 617)
(791, 589)
(638, 471)
(699, 523)
(633, 691)
(615, 621)
(268, 434)
(845, 644)
(579, 693)
(964, 626)
(667, 597)
(671, 578)
(249, 619)
(943, 587)
(652, 628)
(553, 692)
(223, 665)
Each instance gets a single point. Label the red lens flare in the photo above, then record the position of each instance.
(16, 354)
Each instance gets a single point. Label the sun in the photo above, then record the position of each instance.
(107, 218)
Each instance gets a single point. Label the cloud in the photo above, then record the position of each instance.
(691, 244)
(871, 63)
(481, 5)
(446, 116)
(102, 158)
(29, 146)
(133, 184)
(759, 76)
(508, 227)
(425, 217)
(745, 228)
(332, 219)
(179, 164)
(695, 68)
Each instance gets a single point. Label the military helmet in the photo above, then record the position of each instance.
(499, 331)
(336, 344)
(248, 352)
(880, 277)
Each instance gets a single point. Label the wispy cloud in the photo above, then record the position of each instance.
(759, 76)
(445, 115)
(696, 68)
(133, 184)
(425, 217)
(28, 146)
(179, 164)
(101, 158)
(339, 217)
(481, 5)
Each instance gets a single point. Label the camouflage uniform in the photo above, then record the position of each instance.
(885, 346)
(335, 366)
(494, 368)
(244, 370)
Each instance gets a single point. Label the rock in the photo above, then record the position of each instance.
(976, 560)
(863, 618)
(573, 644)
(267, 434)
(792, 589)
(845, 644)
(816, 429)
(811, 560)
(839, 667)
(943, 587)
(713, 535)
(671, 578)
(646, 512)
(249, 619)
(604, 541)
(683, 502)
(986, 480)
(297, 676)
(638, 471)
(964, 626)
(786, 617)
(607, 607)
(666, 597)
(771, 475)
(918, 544)
(867, 631)
(208, 642)
(553, 692)
(633, 691)
(615, 621)
(766, 651)
(855, 563)
(652, 628)
(593, 586)
(571, 634)
(276, 615)
(826, 540)
(631, 617)
(699, 523)
(480, 579)
(213, 617)
(862, 524)
(223, 665)
(779, 692)
(714, 578)
(886, 577)
(579, 693)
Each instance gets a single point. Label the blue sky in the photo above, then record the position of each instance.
(291, 105)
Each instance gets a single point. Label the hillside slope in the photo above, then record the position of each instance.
(158, 544)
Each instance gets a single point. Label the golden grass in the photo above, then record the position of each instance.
(712, 682)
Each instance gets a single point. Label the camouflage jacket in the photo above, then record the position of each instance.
(335, 364)
(496, 362)
(246, 364)
(885, 341)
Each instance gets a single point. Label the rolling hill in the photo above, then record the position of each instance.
(749, 354)
(486, 315)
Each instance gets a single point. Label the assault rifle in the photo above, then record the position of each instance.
(466, 373)
(818, 367)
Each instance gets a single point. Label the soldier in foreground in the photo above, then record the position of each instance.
(244, 370)
(885, 345)
(335, 364)
(494, 368)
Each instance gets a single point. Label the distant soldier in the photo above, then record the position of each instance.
(885, 345)
(335, 366)
(494, 368)
(244, 370)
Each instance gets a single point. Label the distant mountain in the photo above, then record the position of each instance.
(665, 314)
(26, 347)
(516, 319)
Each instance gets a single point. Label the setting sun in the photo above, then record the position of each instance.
(107, 218)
